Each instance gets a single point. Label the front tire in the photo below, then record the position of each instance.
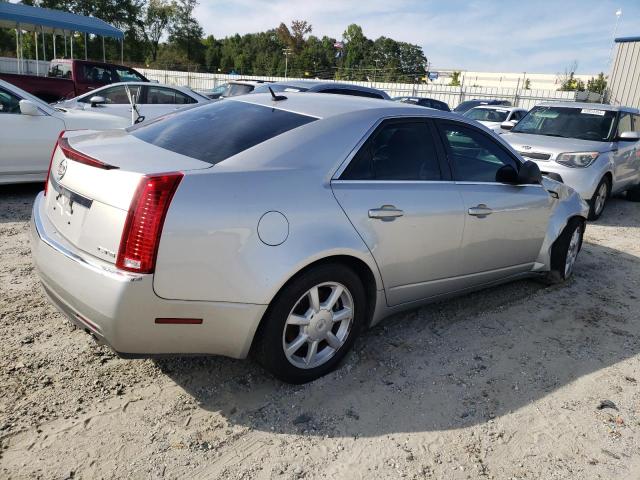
(565, 251)
(599, 199)
(312, 324)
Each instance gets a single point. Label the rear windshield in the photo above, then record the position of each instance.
(568, 122)
(235, 89)
(217, 131)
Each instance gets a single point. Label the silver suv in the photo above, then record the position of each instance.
(594, 148)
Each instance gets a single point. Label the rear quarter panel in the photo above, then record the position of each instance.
(210, 247)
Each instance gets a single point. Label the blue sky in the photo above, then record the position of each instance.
(493, 35)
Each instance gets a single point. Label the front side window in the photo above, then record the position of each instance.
(396, 151)
(568, 122)
(217, 131)
(517, 115)
(9, 103)
(474, 156)
(625, 123)
(114, 95)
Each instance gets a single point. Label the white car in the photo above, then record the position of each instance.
(29, 129)
(152, 99)
(492, 116)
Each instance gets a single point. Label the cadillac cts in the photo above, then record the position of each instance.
(283, 226)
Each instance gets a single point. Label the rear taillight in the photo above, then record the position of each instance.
(73, 154)
(53, 152)
(143, 227)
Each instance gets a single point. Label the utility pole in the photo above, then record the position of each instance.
(613, 37)
(286, 52)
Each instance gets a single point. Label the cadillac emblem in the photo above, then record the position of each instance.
(62, 169)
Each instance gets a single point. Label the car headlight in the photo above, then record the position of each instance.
(577, 159)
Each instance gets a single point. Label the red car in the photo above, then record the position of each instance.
(70, 78)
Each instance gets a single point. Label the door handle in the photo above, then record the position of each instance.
(385, 212)
(480, 211)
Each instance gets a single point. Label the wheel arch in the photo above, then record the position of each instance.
(359, 266)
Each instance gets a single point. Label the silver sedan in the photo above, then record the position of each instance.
(284, 225)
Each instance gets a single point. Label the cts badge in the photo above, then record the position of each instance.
(62, 169)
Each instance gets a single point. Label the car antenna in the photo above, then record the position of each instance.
(276, 98)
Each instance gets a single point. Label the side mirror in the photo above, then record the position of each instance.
(29, 108)
(626, 136)
(529, 173)
(508, 125)
(97, 100)
(507, 174)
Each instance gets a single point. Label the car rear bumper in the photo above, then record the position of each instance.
(121, 309)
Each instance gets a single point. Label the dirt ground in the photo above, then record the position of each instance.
(517, 382)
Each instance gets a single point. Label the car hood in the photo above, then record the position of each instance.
(552, 146)
(83, 120)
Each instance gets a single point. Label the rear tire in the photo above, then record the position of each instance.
(599, 199)
(312, 324)
(564, 251)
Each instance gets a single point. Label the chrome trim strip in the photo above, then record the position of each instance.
(57, 246)
(394, 182)
(73, 196)
(499, 183)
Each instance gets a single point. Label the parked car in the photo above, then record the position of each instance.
(594, 148)
(358, 209)
(70, 78)
(316, 86)
(492, 116)
(424, 102)
(469, 104)
(28, 131)
(233, 88)
(153, 99)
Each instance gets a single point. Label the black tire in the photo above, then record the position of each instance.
(269, 348)
(560, 251)
(594, 212)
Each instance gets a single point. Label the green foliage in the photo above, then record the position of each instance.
(455, 79)
(598, 84)
(527, 84)
(568, 82)
(165, 34)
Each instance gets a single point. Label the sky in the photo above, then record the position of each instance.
(533, 36)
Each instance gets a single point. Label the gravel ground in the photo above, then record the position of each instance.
(520, 381)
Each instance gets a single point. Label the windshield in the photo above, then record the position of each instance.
(568, 122)
(218, 130)
(487, 114)
(278, 88)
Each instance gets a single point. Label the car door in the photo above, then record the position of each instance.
(505, 223)
(625, 156)
(398, 193)
(26, 140)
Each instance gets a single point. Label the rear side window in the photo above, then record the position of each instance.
(164, 96)
(215, 132)
(396, 151)
(60, 70)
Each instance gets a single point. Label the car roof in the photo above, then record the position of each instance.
(592, 106)
(321, 105)
(497, 107)
(413, 97)
(322, 84)
(253, 83)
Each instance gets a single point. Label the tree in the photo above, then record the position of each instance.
(598, 84)
(568, 82)
(527, 84)
(455, 79)
(185, 31)
(299, 28)
(158, 16)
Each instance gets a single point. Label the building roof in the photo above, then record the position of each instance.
(627, 39)
(53, 21)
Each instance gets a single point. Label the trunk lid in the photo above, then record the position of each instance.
(87, 204)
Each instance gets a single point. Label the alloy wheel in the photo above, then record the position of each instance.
(318, 325)
(572, 252)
